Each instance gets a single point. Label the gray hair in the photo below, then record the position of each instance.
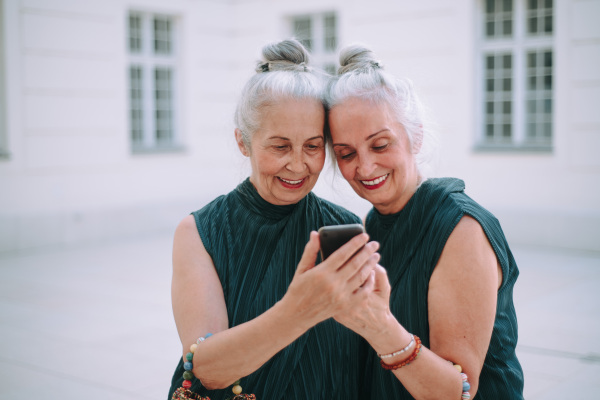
(282, 73)
(362, 76)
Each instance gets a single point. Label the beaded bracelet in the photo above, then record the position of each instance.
(465, 383)
(396, 353)
(184, 392)
(404, 363)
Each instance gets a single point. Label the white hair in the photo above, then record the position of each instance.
(282, 73)
(362, 76)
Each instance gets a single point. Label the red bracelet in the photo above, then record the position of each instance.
(407, 361)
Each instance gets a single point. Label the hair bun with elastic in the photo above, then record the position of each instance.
(287, 55)
(358, 58)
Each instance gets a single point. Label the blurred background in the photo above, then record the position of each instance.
(116, 121)
(116, 116)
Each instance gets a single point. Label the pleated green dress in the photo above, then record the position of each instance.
(256, 247)
(412, 241)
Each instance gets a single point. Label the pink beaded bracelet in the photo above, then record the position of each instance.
(404, 350)
(411, 358)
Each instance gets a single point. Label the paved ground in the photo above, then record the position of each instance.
(95, 322)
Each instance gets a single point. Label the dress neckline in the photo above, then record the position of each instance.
(250, 197)
(420, 200)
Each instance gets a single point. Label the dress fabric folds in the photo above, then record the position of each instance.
(255, 247)
(412, 241)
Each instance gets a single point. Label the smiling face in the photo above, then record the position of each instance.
(287, 152)
(374, 153)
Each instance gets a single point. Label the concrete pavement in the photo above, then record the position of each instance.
(95, 322)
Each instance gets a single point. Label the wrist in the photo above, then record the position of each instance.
(392, 362)
(291, 319)
(403, 350)
(391, 338)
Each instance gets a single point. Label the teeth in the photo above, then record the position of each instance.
(375, 181)
(291, 182)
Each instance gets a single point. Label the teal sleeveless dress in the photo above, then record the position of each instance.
(256, 247)
(412, 241)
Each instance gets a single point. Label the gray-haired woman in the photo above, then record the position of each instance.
(236, 273)
(445, 295)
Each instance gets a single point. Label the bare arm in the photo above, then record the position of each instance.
(462, 304)
(196, 291)
(462, 299)
(199, 305)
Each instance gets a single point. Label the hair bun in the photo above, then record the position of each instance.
(287, 55)
(357, 57)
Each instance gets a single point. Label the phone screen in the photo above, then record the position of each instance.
(333, 237)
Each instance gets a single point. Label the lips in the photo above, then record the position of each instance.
(292, 184)
(375, 183)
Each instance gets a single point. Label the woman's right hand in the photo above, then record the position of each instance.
(318, 292)
(368, 312)
(199, 304)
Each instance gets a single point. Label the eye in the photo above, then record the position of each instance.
(281, 147)
(380, 144)
(346, 156)
(380, 148)
(312, 147)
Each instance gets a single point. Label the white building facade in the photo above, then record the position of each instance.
(116, 116)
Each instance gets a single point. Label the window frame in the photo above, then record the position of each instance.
(148, 60)
(519, 44)
(322, 55)
(4, 154)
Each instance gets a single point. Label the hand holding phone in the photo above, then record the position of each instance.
(333, 237)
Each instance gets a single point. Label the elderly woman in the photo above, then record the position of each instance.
(441, 323)
(243, 305)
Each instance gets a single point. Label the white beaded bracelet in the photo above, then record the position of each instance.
(408, 346)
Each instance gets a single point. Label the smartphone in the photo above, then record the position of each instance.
(333, 237)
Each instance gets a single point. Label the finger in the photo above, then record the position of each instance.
(368, 285)
(309, 257)
(382, 283)
(344, 253)
(352, 266)
(359, 278)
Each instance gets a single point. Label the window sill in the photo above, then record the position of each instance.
(158, 149)
(511, 148)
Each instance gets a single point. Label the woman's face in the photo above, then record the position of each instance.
(287, 152)
(374, 153)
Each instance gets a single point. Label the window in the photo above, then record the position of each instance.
(318, 33)
(517, 74)
(152, 82)
(3, 126)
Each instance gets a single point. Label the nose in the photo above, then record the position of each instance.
(296, 163)
(366, 166)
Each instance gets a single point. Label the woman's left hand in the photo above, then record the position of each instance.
(367, 311)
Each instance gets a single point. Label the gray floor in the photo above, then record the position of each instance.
(95, 322)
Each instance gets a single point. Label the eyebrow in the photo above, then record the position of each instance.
(367, 139)
(288, 139)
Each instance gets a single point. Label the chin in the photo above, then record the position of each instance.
(285, 200)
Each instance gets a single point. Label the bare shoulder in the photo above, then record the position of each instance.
(188, 249)
(466, 231)
(468, 247)
(468, 262)
(187, 226)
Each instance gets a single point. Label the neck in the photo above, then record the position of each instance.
(400, 203)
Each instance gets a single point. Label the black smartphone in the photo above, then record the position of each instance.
(333, 237)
